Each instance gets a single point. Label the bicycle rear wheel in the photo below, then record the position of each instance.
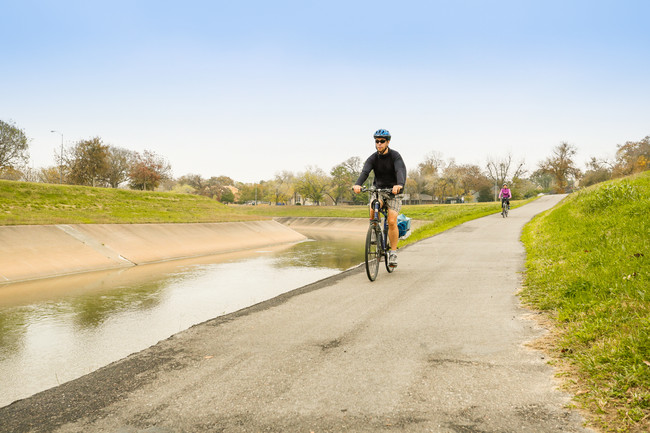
(373, 252)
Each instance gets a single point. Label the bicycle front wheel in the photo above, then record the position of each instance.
(373, 252)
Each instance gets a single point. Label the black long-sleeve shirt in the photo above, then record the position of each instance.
(389, 169)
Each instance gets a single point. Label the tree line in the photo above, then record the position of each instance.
(88, 162)
(91, 162)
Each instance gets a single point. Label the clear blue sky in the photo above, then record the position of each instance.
(249, 88)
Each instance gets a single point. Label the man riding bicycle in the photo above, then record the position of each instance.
(505, 195)
(390, 172)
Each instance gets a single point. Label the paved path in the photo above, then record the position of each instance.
(437, 346)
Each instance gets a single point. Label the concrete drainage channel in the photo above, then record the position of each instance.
(34, 252)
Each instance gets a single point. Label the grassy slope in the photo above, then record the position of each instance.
(589, 268)
(37, 203)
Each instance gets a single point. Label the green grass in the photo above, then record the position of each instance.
(445, 216)
(37, 203)
(588, 267)
(439, 217)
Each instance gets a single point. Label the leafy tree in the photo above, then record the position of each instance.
(215, 188)
(228, 196)
(632, 157)
(87, 162)
(313, 184)
(251, 192)
(486, 194)
(246, 192)
(525, 189)
(542, 179)
(561, 166)
(462, 180)
(148, 170)
(472, 178)
(224, 180)
(196, 181)
(343, 177)
(14, 146)
(119, 161)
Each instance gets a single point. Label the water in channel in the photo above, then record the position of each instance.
(58, 329)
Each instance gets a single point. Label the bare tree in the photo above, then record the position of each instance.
(10, 173)
(49, 175)
(501, 170)
(598, 170)
(561, 165)
(282, 187)
(432, 164)
(429, 173)
(415, 185)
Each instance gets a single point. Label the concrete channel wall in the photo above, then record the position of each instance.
(42, 251)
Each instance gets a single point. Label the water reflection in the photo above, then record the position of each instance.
(91, 310)
(332, 253)
(55, 330)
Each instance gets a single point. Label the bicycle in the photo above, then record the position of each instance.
(505, 207)
(377, 243)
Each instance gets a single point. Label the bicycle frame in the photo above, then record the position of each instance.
(380, 210)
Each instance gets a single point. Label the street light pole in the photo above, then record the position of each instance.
(61, 160)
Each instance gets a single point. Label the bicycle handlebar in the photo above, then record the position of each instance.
(373, 189)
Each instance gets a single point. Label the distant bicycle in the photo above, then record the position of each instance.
(505, 207)
(377, 243)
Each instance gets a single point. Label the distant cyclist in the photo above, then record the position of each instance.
(505, 195)
(390, 173)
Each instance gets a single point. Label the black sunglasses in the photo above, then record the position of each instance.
(382, 141)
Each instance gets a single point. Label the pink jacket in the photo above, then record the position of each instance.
(505, 193)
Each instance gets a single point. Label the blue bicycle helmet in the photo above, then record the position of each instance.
(382, 133)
